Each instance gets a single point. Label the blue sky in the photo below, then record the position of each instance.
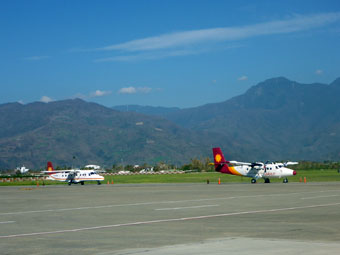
(162, 53)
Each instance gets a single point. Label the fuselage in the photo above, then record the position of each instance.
(77, 176)
(271, 170)
(254, 170)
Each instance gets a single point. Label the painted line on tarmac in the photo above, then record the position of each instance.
(320, 197)
(119, 205)
(158, 202)
(6, 222)
(183, 208)
(168, 220)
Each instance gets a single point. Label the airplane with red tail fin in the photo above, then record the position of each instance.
(253, 170)
(72, 176)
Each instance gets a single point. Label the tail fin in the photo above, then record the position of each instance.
(221, 165)
(218, 156)
(49, 166)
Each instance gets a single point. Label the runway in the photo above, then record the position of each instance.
(171, 219)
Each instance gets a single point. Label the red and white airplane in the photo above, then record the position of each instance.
(253, 170)
(73, 176)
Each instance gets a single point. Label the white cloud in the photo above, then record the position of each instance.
(36, 58)
(318, 72)
(46, 99)
(128, 90)
(97, 93)
(243, 78)
(191, 37)
(133, 90)
(149, 56)
(100, 93)
(144, 90)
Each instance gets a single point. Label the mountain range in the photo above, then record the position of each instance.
(75, 132)
(277, 119)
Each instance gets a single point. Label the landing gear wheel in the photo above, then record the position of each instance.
(82, 183)
(266, 180)
(253, 180)
(69, 183)
(98, 182)
(285, 180)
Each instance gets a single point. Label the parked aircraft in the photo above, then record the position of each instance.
(253, 170)
(73, 176)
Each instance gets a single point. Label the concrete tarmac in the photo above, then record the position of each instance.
(171, 219)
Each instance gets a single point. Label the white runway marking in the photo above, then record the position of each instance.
(159, 202)
(6, 222)
(119, 205)
(183, 208)
(168, 220)
(320, 197)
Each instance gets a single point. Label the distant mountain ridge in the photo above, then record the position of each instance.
(277, 119)
(35, 133)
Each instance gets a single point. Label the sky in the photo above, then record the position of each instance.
(167, 53)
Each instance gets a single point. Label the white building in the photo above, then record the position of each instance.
(22, 169)
(95, 167)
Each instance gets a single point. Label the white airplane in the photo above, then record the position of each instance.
(253, 170)
(73, 176)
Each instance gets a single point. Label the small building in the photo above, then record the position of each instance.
(94, 167)
(22, 169)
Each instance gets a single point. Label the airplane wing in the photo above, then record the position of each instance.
(240, 163)
(246, 163)
(59, 171)
(290, 163)
(99, 171)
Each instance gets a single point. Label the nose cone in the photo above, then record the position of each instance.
(294, 172)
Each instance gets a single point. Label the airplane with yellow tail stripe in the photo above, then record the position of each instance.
(253, 170)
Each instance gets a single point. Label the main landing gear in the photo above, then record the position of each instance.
(253, 180)
(285, 180)
(266, 180)
(98, 182)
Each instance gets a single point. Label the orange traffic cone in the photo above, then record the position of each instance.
(108, 182)
(37, 184)
(112, 182)
(305, 180)
(219, 180)
(300, 179)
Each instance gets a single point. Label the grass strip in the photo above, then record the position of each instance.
(213, 177)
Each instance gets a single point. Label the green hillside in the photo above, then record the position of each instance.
(75, 132)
